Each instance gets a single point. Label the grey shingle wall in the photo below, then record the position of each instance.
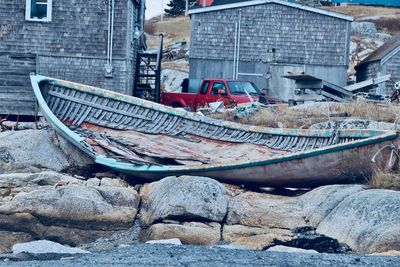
(393, 68)
(297, 36)
(84, 70)
(367, 71)
(77, 27)
(73, 46)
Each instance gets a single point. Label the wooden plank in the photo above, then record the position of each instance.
(105, 108)
(363, 84)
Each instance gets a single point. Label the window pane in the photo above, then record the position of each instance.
(240, 88)
(38, 9)
(204, 88)
(218, 89)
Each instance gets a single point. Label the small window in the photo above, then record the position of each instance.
(219, 88)
(204, 88)
(38, 10)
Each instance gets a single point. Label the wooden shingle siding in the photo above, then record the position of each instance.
(368, 71)
(393, 68)
(73, 46)
(16, 95)
(297, 36)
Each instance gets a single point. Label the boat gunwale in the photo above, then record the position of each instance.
(344, 133)
(377, 136)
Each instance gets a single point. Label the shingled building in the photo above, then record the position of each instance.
(385, 60)
(263, 40)
(91, 42)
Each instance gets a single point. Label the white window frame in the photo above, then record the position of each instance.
(28, 11)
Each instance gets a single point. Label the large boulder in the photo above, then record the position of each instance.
(260, 220)
(58, 207)
(254, 237)
(32, 150)
(266, 210)
(80, 206)
(13, 183)
(275, 211)
(193, 233)
(185, 198)
(318, 203)
(368, 221)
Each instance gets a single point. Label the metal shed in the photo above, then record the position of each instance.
(385, 60)
(263, 40)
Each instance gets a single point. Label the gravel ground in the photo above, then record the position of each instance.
(171, 255)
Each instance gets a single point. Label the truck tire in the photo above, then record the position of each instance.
(176, 105)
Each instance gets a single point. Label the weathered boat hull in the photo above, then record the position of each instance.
(298, 158)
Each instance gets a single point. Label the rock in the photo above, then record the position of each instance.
(272, 211)
(193, 233)
(78, 206)
(363, 54)
(354, 124)
(185, 198)
(254, 237)
(13, 183)
(113, 182)
(291, 250)
(367, 221)
(93, 182)
(172, 241)
(363, 29)
(275, 211)
(257, 220)
(308, 238)
(233, 247)
(353, 47)
(393, 253)
(31, 150)
(8, 239)
(71, 214)
(109, 174)
(171, 79)
(45, 246)
(318, 203)
(382, 37)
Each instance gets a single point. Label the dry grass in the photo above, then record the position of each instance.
(385, 180)
(283, 116)
(388, 25)
(174, 29)
(386, 19)
(360, 11)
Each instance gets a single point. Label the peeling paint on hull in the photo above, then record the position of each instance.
(108, 125)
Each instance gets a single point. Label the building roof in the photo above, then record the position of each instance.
(228, 4)
(385, 52)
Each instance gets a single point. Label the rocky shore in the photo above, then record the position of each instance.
(51, 191)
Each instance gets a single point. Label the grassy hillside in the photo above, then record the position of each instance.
(174, 29)
(386, 19)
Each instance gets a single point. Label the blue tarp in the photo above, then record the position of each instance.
(370, 2)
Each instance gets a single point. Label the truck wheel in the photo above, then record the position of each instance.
(176, 105)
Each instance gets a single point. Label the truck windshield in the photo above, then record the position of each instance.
(240, 88)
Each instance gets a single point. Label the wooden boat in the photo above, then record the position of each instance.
(152, 141)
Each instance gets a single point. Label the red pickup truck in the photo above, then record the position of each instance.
(231, 92)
